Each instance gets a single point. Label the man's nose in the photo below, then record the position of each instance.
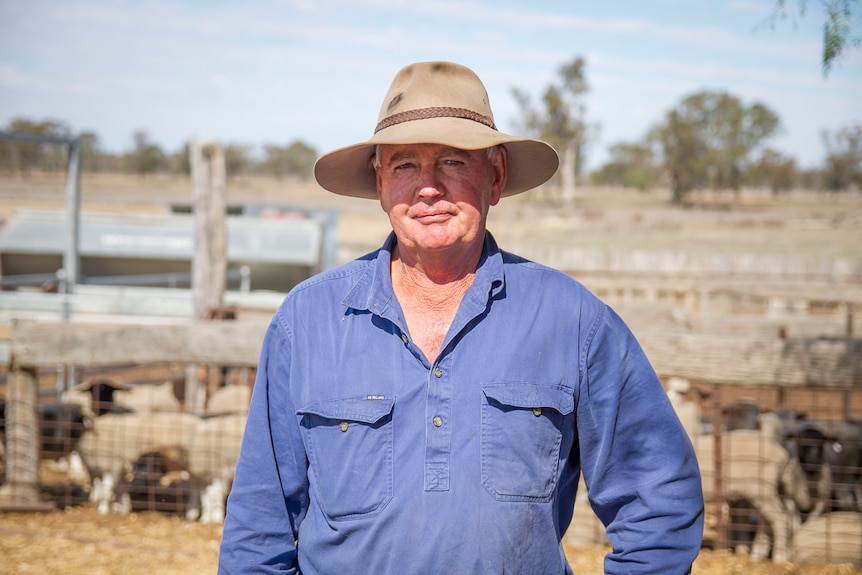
(429, 182)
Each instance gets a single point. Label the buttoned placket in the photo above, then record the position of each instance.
(438, 409)
(439, 397)
(438, 433)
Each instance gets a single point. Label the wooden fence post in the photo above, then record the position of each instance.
(209, 263)
(718, 489)
(22, 441)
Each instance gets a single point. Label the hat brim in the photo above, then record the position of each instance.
(348, 171)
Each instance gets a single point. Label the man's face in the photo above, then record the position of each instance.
(438, 197)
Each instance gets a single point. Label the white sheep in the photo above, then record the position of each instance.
(231, 398)
(586, 529)
(779, 424)
(753, 468)
(149, 397)
(79, 396)
(685, 404)
(830, 538)
(213, 453)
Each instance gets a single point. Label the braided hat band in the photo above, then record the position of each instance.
(435, 112)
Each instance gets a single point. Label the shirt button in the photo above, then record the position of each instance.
(537, 411)
(343, 426)
(404, 338)
(437, 421)
(438, 373)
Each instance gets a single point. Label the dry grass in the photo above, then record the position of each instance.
(79, 541)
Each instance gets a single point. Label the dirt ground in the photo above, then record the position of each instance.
(79, 541)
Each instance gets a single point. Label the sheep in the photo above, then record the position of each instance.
(213, 453)
(831, 455)
(585, 529)
(149, 397)
(115, 441)
(95, 397)
(831, 538)
(231, 398)
(742, 413)
(754, 468)
(780, 424)
(685, 404)
(60, 427)
(746, 530)
(104, 396)
(160, 481)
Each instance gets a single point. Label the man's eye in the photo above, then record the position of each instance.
(403, 166)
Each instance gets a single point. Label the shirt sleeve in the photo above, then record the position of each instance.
(639, 465)
(269, 495)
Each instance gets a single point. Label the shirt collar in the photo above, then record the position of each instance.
(373, 290)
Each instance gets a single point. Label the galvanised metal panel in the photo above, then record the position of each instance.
(169, 237)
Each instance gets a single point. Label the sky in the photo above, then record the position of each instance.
(269, 72)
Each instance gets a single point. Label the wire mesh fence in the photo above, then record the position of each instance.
(781, 466)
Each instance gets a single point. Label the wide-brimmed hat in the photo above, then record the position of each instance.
(436, 103)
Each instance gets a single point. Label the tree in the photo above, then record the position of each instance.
(24, 157)
(837, 34)
(774, 170)
(89, 151)
(811, 179)
(708, 139)
(237, 159)
(843, 158)
(146, 158)
(561, 122)
(685, 155)
(181, 162)
(631, 165)
(295, 160)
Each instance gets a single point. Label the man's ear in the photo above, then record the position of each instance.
(500, 165)
(379, 185)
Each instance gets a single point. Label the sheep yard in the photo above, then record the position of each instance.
(725, 270)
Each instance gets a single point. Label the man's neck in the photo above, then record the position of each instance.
(430, 295)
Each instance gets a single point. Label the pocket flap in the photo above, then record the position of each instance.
(365, 409)
(530, 395)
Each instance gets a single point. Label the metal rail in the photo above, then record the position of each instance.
(71, 257)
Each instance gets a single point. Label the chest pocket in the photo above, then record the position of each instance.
(521, 435)
(349, 445)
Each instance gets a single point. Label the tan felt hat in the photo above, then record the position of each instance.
(436, 103)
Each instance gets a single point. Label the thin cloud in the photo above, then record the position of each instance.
(12, 77)
(520, 19)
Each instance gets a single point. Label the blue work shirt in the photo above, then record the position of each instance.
(362, 456)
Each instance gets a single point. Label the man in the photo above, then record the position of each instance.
(428, 407)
